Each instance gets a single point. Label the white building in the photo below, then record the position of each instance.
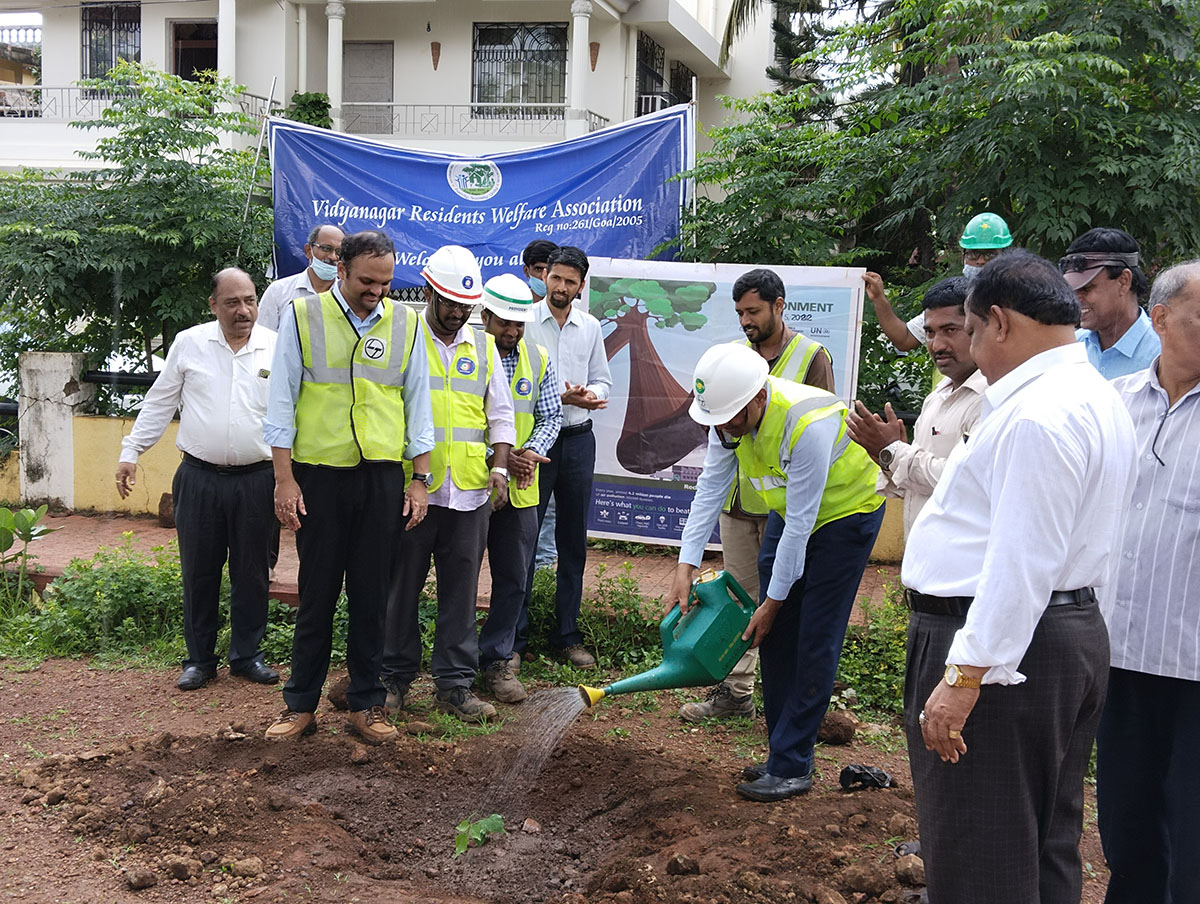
(473, 76)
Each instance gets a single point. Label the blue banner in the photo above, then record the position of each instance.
(608, 193)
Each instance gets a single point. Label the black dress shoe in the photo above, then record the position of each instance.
(258, 672)
(754, 771)
(772, 787)
(195, 677)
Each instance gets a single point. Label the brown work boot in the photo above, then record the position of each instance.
(578, 656)
(460, 702)
(292, 725)
(371, 725)
(720, 704)
(397, 695)
(499, 681)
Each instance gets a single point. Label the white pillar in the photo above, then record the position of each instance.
(51, 390)
(227, 38)
(302, 48)
(581, 12)
(335, 12)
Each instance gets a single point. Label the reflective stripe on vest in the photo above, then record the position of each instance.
(351, 406)
(532, 362)
(791, 408)
(792, 365)
(459, 419)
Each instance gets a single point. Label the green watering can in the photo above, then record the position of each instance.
(699, 648)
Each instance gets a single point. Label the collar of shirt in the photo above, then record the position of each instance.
(1148, 379)
(258, 339)
(1007, 386)
(1127, 345)
(545, 312)
(976, 383)
(367, 321)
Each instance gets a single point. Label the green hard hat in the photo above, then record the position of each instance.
(985, 230)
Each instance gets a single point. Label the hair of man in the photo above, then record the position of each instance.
(316, 232)
(1105, 238)
(1173, 281)
(949, 293)
(570, 256)
(371, 243)
(1027, 284)
(538, 252)
(765, 282)
(220, 275)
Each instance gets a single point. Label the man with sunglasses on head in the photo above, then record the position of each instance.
(1102, 267)
(472, 411)
(322, 249)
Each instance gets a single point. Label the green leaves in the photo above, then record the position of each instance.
(473, 834)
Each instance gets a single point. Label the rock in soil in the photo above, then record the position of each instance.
(681, 865)
(869, 878)
(248, 868)
(837, 727)
(337, 693)
(902, 826)
(137, 879)
(359, 755)
(531, 826)
(826, 895)
(910, 871)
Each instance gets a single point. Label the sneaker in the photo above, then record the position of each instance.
(720, 704)
(459, 701)
(371, 725)
(397, 694)
(514, 663)
(292, 725)
(578, 656)
(499, 681)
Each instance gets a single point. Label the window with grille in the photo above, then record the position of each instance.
(681, 82)
(111, 32)
(520, 64)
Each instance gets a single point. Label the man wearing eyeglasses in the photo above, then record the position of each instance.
(472, 410)
(321, 249)
(1148, 787)
(1102, 267)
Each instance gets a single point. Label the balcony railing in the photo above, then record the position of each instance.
(479, 120)
(50, 104)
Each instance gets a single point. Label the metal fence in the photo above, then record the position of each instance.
(479, 120)
(51, 104)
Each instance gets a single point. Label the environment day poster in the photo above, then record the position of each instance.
(658, 318)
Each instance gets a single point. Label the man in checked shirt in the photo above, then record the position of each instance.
(513, 532)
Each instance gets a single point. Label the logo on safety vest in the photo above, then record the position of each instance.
(475, 180)
(524, 387)
(374, 348)
(465, 366)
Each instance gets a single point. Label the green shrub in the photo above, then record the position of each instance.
(311, 107)
(873, 654)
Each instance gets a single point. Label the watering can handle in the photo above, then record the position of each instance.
(672, 619)
(743, 598)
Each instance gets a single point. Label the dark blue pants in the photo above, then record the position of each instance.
(511, 543)
(568, 477)
(799, 657)
(1148, 788)
(219, 516)
(351, 532)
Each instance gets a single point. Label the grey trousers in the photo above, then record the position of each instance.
(741, 542)
(454, 541)
(1002, 825)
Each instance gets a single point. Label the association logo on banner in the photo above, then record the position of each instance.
(474, 180)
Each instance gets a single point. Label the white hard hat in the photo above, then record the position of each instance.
(508, 296)
(727, 377)
(453, 271)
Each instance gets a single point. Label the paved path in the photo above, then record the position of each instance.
(79, 536)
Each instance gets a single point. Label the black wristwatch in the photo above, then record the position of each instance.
(426, 479)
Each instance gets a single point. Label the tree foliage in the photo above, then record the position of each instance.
(667, 302)
(118, 258)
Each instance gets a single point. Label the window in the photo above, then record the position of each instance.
(681, 82)
(520, 64)
(650, 88)
(193, 48)
(111, 32)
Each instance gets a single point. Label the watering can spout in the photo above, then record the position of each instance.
(591, 695)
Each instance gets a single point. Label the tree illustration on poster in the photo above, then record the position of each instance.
(657, 431)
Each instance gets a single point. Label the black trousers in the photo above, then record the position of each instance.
(1148, 788)
(221, 516)
(351, 533)
(511, 543)
(1002, 825)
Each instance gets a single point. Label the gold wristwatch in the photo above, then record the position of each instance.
(956, 678)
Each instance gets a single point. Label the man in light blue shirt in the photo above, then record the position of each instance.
(1102, 267)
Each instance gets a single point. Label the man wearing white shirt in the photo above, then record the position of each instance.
(216, 375)
(576, 347)
(472, 410)
(1000, 569)
(322, 249)
(1147, 787)
(910, 471)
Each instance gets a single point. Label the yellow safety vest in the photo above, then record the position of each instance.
(532, 362)
(459, 419)
(791, 407)
(351, 406)
(792, 365)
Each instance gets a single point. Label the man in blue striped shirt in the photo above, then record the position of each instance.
(1148, 786)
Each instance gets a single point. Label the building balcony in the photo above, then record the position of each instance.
(421, 123)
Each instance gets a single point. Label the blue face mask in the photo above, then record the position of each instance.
(970, 271)
(323, 270)
(538, 286)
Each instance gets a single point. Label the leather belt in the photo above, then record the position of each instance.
(958, 605)
(576, 429)
(227, 469)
